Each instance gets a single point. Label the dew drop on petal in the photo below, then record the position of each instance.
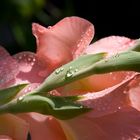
(49, 27)
(119, 107)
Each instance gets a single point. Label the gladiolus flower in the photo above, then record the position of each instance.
(113, 97)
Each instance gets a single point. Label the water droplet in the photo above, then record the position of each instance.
(32, 63)
(49, 27)
(61, 69)
(34, 59)
(125, 92)
(75, 70)
(57, 71)
(20, 98)
(69, 74)
(20, 57)
(119, 107)
(70, 67)
(29, 59)
(78, 45)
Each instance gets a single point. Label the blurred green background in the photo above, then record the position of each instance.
(109, 18)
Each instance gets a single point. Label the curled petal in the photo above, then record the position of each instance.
(30, 68)
(111, 45)
(121, 125)
(3, 53)
(133, 91)
(3, 137)
(112, 117)
(8, 69)
(62, 42)
(43, 127)
(13, 127)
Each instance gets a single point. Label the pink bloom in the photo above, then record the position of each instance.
(113, 97)
(34, 68)
(13, 128)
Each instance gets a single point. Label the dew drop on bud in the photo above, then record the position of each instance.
(20, 98)
(69, 74)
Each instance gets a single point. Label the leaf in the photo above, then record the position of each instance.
(59, 107)
(68, 73)
(8, 94)
(126, 61)
(89, 65)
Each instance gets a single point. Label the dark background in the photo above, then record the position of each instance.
(109, 18)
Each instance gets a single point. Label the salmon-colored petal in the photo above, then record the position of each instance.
(8, 69)
(121, 125)
(133, 91)
(30, 68)
(112, 116)
(62, 42)
(28, 89)
(3, 137)
(43, 127)
(3, 53)
(109, 100)
(13, 127)
(95, 83)
(112, 45)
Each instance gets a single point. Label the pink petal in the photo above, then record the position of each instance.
(112, 117)
(27, 89)
(3, 53)
(61, 43)
(95, 83)
(133, 91)
(3, 137)
(121, 125)
(30, 68)
(13, 127)
(43, 127)
(112, 45)
(8, 69)
(107, 101)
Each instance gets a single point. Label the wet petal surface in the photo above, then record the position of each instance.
(8, 69)
(62, 42)
(111, 45)
(112, 116)
(43, 127)
(30, 68)
(14, 127)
